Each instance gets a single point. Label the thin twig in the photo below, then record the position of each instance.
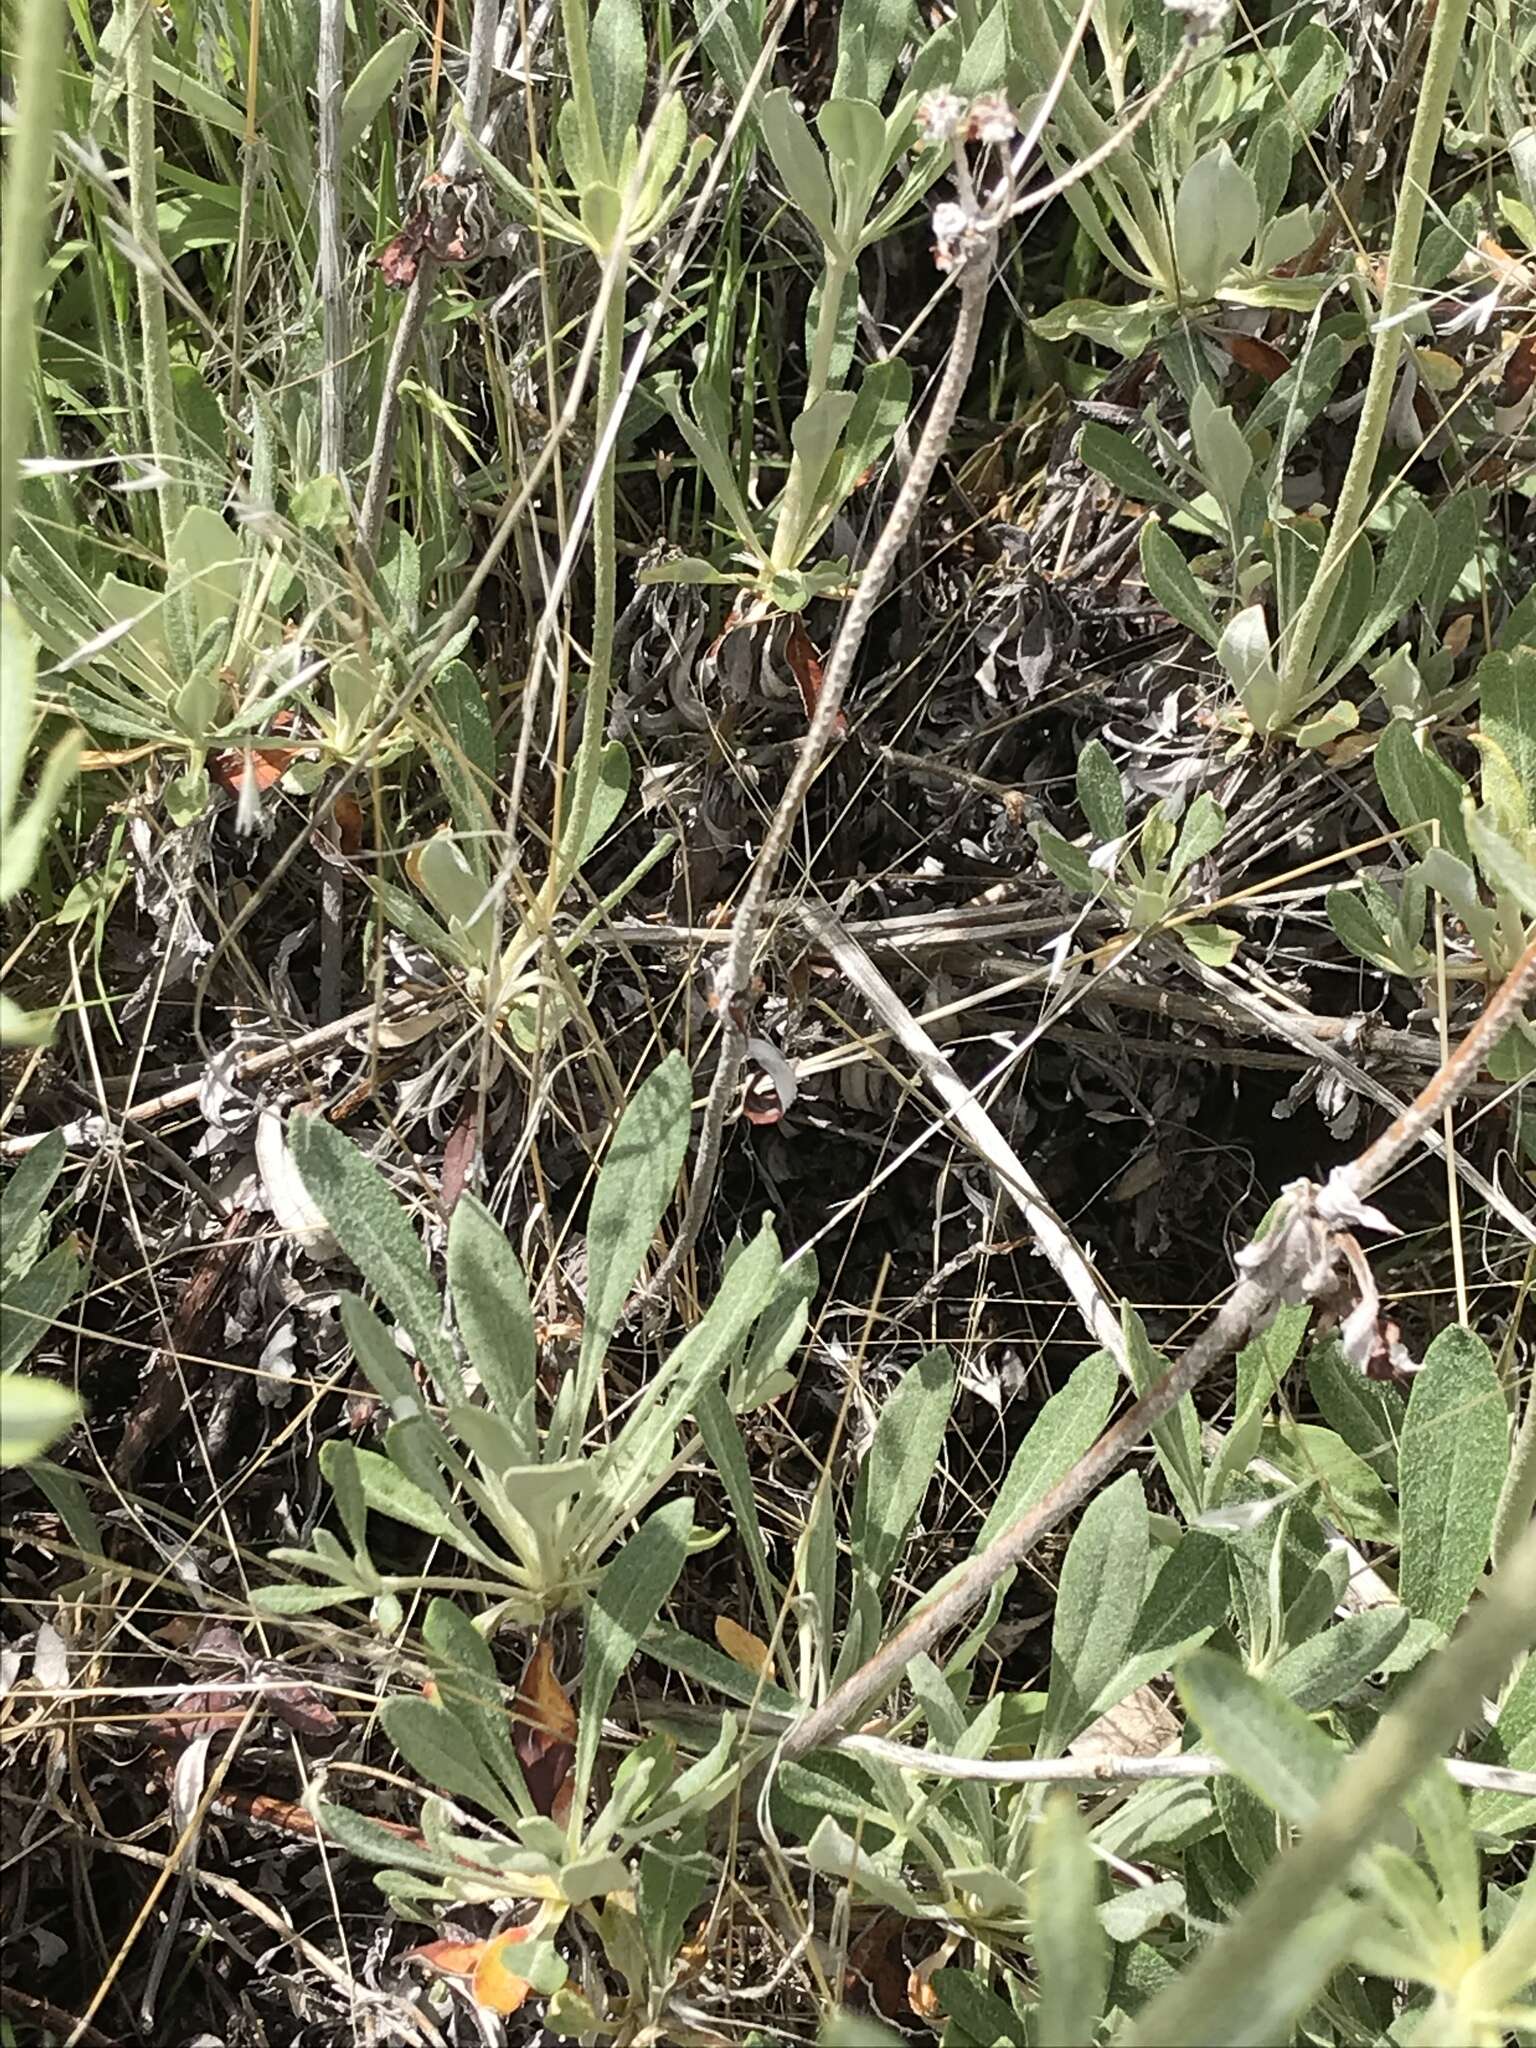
(967, 1114)
(734, 974)
(1293, 1262)
(1057, 1770)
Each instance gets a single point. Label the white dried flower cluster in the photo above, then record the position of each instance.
(944, 117)
(941, 115)
(1201, 17)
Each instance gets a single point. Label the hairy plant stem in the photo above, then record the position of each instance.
(333, 298)
(734, 974)
(594, 717)
(29, 162)
(1445, 41)
(1291, 1261)
(159, 401)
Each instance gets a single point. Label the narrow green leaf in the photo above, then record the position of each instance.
(1172, 582)
(1328, 1666)
(32, 1304)
(637, 1181)
(1103, 1581)
(495, 1318)
(1507, 685)
(1115, 457)
(374, 1231)
(899, 1468)
(798, 162)
(1177, 1436)
(1454, 1454)
(633, 1590)
(1071, 1951)
(372, 86)
(1099, 792)
(1260, 1734)
(1419, 787)
(617, 54)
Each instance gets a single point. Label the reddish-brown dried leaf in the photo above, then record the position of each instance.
(544, 1732)
(1519, 371)
(805, 665)
(1261, 357)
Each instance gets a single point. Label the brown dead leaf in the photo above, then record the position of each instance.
(806, 667)
(1262, 358)
(744, 1648)
(544, 1732)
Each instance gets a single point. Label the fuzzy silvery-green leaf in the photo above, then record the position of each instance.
(1368, 1414)
(1326, 1667)
(21, 1204)
(1224, 460)
(1099, 792)
(1071, 1953)
(1068, 863)
(1064, 1428)
(1353, 923)
(1097, 1602)
(375, 1232)
(673, 1878)
(1126, 328)
(637, 1181)
(1204, 827)
(1215, 219)
(684, 569)
(727, 1453)
(1244, 653)
(1171, 581)
(1510, 866)
(1213, 945)
(1347, 1490)
(633, 1590)
(616, 51)
(899, 1467)
(1507, 686)
(470, 1689)
(1420, 787)
(1116, 457)
(976, 2013)
(835, 1853)
(433, 1742)
(1258, 1733)
(799, 163)
(1407, 561)
(1455, 1451)
(495, 1319)
(710, 452)
(23, 831)
(1177, 1436)
(879, 411)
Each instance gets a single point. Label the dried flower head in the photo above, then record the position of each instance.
(991, 120)
(941, 115)
(1201, 17)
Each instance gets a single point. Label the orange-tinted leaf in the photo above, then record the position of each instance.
(261, 765)
(496, 1986)
(348, 813)
(544, 1732)
(449, 1958)
(744, 1648)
